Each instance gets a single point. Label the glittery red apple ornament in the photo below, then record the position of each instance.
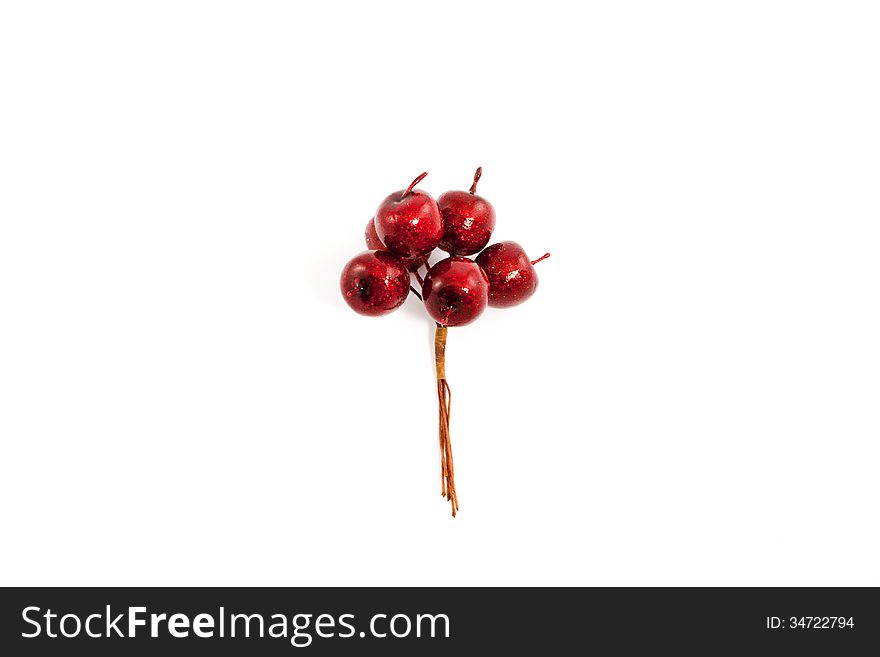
(512, 276)
(468, 220)
(374, 283)
(408, 222)
(455, 291)
(407, 227)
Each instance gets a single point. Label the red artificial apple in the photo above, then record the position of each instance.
(512, 276)
(371, 238)
(374, 283)
(409, 223)
(468, 220)
(455, 291)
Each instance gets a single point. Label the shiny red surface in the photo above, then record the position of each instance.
(374, 283)
(468, 222)
(512, 278)
(455, 292)
(371, 238)
(373, 242)
(409, 223)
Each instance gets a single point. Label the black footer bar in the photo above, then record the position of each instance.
(428, 621)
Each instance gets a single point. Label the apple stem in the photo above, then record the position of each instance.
(444, 397)
(421, 262)
(413, 184)
(477, 174)
(418, 277)
(413, 290)
(535, 262)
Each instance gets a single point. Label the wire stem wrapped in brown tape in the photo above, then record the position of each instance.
(444, 397)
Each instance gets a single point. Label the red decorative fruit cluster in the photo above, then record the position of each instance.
(408, 225)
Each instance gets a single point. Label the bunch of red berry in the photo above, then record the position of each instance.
(408, 226)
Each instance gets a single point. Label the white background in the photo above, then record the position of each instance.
(691, 397)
